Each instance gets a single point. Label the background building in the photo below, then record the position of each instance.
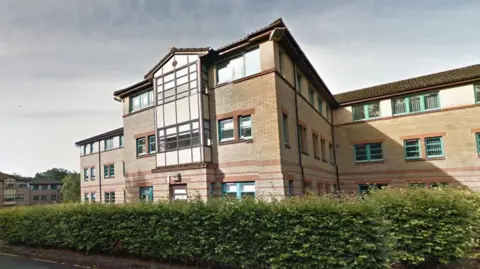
(16, 191)
(253, 118)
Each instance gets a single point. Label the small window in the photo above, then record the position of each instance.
(85, 174)
(330, 153)
(152, 145)
(367, 188)
(434, 147)
(285, 129)
(328, 113)
(108, 143)
(43, 197)
(141, 101)
(92, 173)
(435, 185)
(367, 111)
(240, 66)
(298, 81)
(319, 104)
(109, 170)
(109, 197)
(93, 197)
(86, 197)
(122, 141)
(316, 147)
(226, 130)
(91, 147)
(239, 190)
(141, 147)
(302, 131)
(368, 152)
(85, 149)
(477, 135)
(280, 61)
(415, 103)
(290, 188)
(477, 92)
(311, 95)
(322, 149)
(245, 127)
(412, 149)
(36, 198)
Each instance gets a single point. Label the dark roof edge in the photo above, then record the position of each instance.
(102, 136)
(135, 87)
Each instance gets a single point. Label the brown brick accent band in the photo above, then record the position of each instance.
(431, 170)
(144, 134)
(422, 136)
(367, 141)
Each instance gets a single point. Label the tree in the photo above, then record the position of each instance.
(71, 187)
(53, 174)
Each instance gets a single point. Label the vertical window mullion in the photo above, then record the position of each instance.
(407, 104)
(365, 111)
(239, 192)
(367, 148)
(422, 102)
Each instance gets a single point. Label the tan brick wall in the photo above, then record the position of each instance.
(460, 166)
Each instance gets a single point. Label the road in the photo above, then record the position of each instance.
(14, 262)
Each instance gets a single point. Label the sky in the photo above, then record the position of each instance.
(61, 61)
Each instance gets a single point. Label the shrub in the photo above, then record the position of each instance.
(295, 233)
(429, 226)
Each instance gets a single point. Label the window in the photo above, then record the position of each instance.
(110, 197)
(92, 173)
(477, 93)
(91, 147)
(245, 127)
(178, 192)
(152, 144)
(84, 149)
(316, 149)
(141, 149)
(280, 61)
(109, 170)
(367, 111)
(285, 130)
(177, 137)
(108, 143)
(434, 147)
(477, 135)
(239, 190)
(434, 185)
(36, 198)
(53, 197)
(328, 112)
(412, 149)
(19, 197)
(366, 188)
(415, 103)
(417, 185)
(368, 152)
(122, 141)
(322, 149)
(290, 188)
(179, 84)
(85, 174)
(311, 95)
(298, 81)
(320, 102)
(226, 130)
(207, 133)
(141, 101)
(238, 67)
(330, 153)
(124, 171)
(93, 197)
(43, 197)
(302, 135)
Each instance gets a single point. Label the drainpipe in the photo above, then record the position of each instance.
(335, 156)
(99, 172)
(302, 171)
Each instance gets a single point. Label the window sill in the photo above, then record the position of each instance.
(370, 162)
(305, 153)
(289, 147)
(435, 158)
(415, 160)
(318, 159)
(145, 156)
(235, 142)
(109, 177)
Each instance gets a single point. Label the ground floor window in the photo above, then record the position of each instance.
(178, 192)
(146, 194)
(110, 197)
(239, 189)
(427, 185)
(366, 188)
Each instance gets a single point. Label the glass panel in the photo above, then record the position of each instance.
(193, 84)
(246, 127)
(226, 129)
(431, 101)
(169, 85)
(193, 67)
(171, 142)
(412, 149)
(151, 144)
(477, 93)
(373, 110)
(182, 72)
(195, 138)
(224, 72)
(184, 140)
(361, 153)
(399, 106)
(231, 187)
(376, 151)
(145, 102)
(415, 104)
(182, 80)
(135, 103)
(252, 62)
(358, 112)
(140, 146)
(434, 147)
(237, 65)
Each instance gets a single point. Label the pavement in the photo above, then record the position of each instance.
(8, 261)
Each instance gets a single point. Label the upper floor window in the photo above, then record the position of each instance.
(152, 145)
(85, 147)
(285, 129)
(109, 170)
(477, 92)
(142, 100)
(239, 66)
(477, 135)
(366, 111)
(316, 148)
(302, 134)
(122, 141)
(245, 127)
(412, 149)
(91, 147)
(311, 95)
(298, 81)
(434, 147)
(319, 103)
(177, 137)
(179, 84)
(226, 132)
(328, 113)
(92, 173)
(415, 103)
(108, 143)
(85, 174)
(322, 150)
(368, 152)
(141, 148)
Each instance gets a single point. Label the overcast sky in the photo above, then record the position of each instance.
(60, 61)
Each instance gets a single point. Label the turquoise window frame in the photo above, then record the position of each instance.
(112, 170)
(147, 191)
(365, 111)
(152, 142)
(418, 146)
(220, 129)
(238, 192)
(441, 147)
(109, 171)
(368, 153)
(241, 119)
(477, 97)
(105, 171)
(92, 173)
(85, 174)
(145, 146)
(122, 141)
(422, 103)
(477, 137)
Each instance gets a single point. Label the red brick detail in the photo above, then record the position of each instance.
(373, 181)
(238, 178)
(144, 134)
(423, 136)
(368, 141)
(476, 130)
(432, 170)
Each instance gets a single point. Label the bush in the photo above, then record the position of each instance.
(430, 226)
(296, 233)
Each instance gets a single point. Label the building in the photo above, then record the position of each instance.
(45, 191)
(254, 118)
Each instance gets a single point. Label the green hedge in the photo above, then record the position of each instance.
(297, 233)
(436, 226)
(395, 225)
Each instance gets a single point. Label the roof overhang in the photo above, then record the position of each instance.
(99, 137)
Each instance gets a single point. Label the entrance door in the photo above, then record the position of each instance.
(146, 194)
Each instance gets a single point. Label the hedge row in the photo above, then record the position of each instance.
(411, 226)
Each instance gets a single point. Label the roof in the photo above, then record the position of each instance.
(172, 52)
(5, 176)
(459, 75)
(146, 83)
(37, 181)
(99, 137)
